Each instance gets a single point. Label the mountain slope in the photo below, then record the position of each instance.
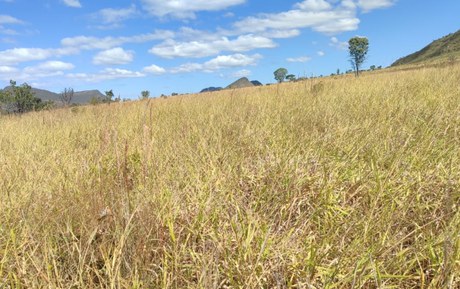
(79, 97)
(444, 47)
(240, 83)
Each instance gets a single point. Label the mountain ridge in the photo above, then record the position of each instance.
(79, 97)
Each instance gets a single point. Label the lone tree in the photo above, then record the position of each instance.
(66, 96)
(280, 74)
(145, 94)
(108, 96)
(358, 47)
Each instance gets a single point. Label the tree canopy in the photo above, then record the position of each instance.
(280, 74)
(358, 48)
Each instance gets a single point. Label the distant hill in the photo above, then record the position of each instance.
(240, 83)
(79, 97)
(442, 48)
(211, 89)
(85, 96)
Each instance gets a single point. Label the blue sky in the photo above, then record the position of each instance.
(186, 45)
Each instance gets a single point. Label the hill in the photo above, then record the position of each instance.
(240, 83)
(211, 89)
(443, 48)
(79, 97)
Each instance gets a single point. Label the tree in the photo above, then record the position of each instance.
(280, 74)
(66, 96)
(358, 48)
(145, 94)
(372, 67)
(291, 77)
(108, 96)
(20, 99)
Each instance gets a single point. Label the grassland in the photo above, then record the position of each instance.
(339, 183)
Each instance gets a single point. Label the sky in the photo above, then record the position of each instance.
(183, 46)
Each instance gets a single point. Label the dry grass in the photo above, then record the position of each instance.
(347, 183)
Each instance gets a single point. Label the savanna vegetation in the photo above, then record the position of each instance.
(336, 183)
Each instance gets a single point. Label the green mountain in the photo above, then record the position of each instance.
(441, 49)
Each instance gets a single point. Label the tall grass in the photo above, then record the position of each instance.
(338, 183)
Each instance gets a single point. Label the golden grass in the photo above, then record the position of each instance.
(338, 183)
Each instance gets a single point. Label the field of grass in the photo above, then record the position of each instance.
(338, 183)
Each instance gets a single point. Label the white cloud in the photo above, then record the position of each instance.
(241, 73)
(299, 59)
(7, 69)
(106, 74)
(112, 18)
(18, 55)
(235, 60)
(7, 19)
(72, 3)
(321, 53)
(46, 69)
(198, 49)
(154, 69)
(49, 66)
(91, 43)
(313, 5)
(342, 45)
(281, 33)
(113, 56)
(318, 15)
(368, 5)
(220, 62)
(186, 8)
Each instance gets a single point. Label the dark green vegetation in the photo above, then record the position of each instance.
(20, 99)
(446, 48)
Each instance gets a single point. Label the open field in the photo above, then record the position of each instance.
(338, 183)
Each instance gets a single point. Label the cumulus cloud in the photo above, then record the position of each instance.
(103, 43)
(318, 15)
(47, 69)
(113, 56)
(313, 5)
(154, 69)
(299, 59)
(106, 74)
(320, 53)
(198, 49)
(220, 62)
(368, 5)
(72, 3)
(49, 66)
(186, 8)
(18, 55)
